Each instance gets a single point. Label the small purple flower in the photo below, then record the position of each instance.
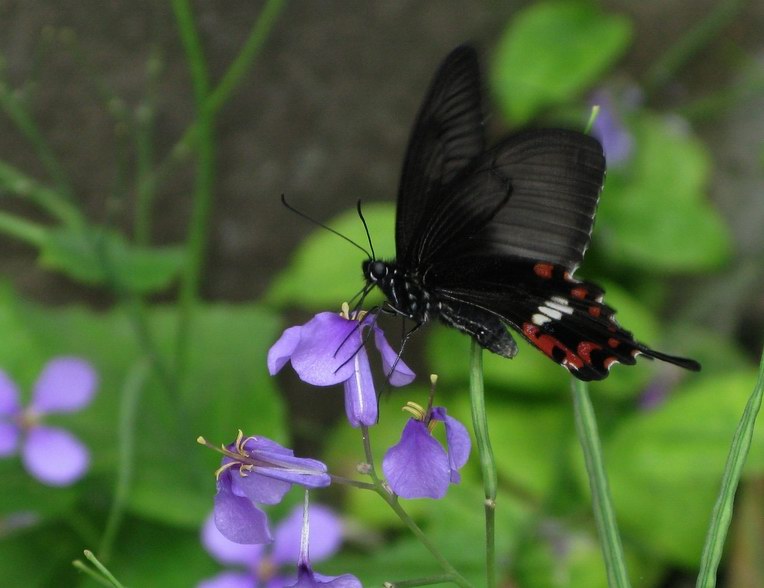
(418, 466)
(306, 577)
(256, 470)
(329, 349)
(608, 127)
(52, 455)
(263, 566)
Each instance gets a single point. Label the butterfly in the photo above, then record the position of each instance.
(489, 238)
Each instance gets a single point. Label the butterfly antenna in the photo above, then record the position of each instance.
(366, 228)
(323, 226)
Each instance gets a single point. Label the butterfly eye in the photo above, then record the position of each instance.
(378, 270)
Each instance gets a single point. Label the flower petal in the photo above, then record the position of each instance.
(237, 518)
(417, 467)
(327, 343)
(66, 384)
(281, 351)
(9, 396)
(229, 580)
(259, 488)
(360, 397)
(226, 551)
(307, 472)
(457, 439)
(9, 439)
(325, 535)
(402, 374)
(54, 456)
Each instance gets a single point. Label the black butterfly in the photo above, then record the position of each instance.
(489, 238)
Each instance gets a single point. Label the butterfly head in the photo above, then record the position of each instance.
(375, 271)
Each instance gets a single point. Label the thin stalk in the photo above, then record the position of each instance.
(487, 461)
(22, 229)
(196, 242)
(607, 527)
(51, 201)
(428, 581)
(223, 91)
(689, 44)
(24, 122)
(128, 412)
(722, 514)
(144, 143)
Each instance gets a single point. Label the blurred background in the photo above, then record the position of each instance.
(141, 229)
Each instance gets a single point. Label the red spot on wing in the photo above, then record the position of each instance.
(547, 344)
(579, 293)
(613, 342)
(585, 349)
(595, 311)
(609, 361)
(543, 270)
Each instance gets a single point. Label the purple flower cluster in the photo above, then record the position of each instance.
(52, 455)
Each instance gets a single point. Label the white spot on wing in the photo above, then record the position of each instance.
(552, 314)
(540, 319)
(559, 307)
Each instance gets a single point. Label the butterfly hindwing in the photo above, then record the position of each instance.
(566, 319)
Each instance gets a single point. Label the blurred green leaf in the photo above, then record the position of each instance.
(558, 557)
(553, 51)
(665, 465)
(104, 257)
(654, 215)
(326, 271)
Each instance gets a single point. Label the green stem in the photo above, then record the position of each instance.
(26, 125)
(487, 461)
(103, 569)
(586, 428)
(22, 229)
(428, 581)
(688, 45)
(49, 200)
(722, 515)
(196, 243)
(126, 434)
(223, 91)
(144, 141)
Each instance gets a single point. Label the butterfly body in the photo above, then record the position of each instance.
(488, 239)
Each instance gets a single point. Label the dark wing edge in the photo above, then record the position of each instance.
(446, 137)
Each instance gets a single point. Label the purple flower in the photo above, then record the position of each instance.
(608, 127)
(52, 455)
(256, 470)
(329, 349)
(263, 566)
(418, 466)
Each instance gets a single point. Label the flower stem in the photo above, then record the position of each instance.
(586, 428)
(487, 462)
(722, 515)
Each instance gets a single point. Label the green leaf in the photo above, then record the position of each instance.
(675, 456)
(103, 257)
(326, 271)
(654, 215)
(553, 51)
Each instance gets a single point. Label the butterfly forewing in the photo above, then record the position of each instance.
(447, 136)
